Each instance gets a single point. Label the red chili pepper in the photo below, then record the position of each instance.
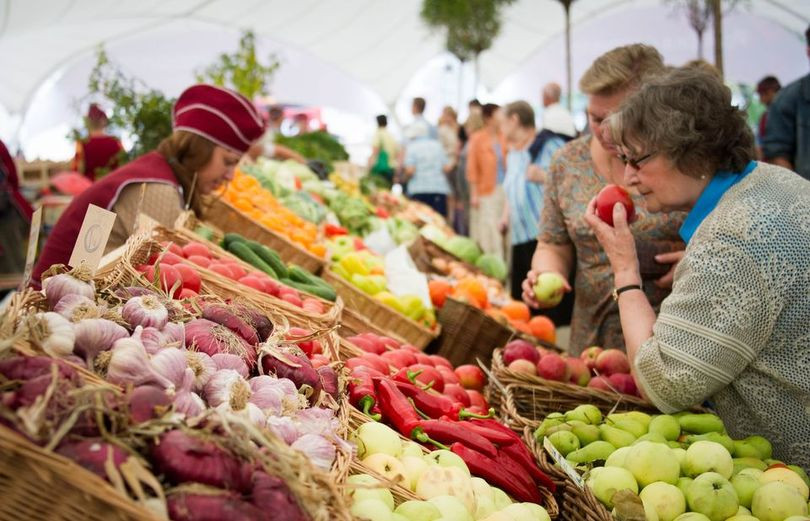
(490, 434)
(395, 407)
(519, 454)
(489, 469)
(450, 432)
(434, 405)
(382, 213)
(362, 395)
(332, 230)
(496, 426)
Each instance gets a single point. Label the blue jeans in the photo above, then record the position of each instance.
(436, 201)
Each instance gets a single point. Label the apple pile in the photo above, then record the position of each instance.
(175, 267)
(605, 369)
(440, 478)
(684, 467)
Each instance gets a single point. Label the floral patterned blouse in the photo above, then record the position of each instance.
(571, 183)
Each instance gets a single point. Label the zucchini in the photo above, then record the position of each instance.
(241, 250)
(305, 276)
(317, 290)
(270, 257)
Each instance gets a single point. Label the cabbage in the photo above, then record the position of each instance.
(464, 248)
(492, 266)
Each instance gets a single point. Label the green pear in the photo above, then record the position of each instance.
(753, 447)
(665, 425)
(716, 437)
(800, 471)
(747, 463)
(637, 416)
(596, 451)
(586, 433)
(585, 413)
(653, 437)
(701, 423)
(675, 444)
(616, 437)
(564, 441)
(631, 426)
(552, 420)
(563, 427)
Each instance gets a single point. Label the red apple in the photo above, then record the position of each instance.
(520, 350)
(448, 375)
(477, 400)
(552, 367)
(600, 382)
(399, 358)
(457, 393)
(590, 355)
(624, 383)
(441, 361)
(471, 377)
(422, 358)
(523, 366)
(578, 371)
(428, 375)
(608, 197)
(612, 361)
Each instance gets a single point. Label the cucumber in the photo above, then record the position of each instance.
(270, 257)
(229, 238)
(319, 291)
(241, 250)
(305, 276)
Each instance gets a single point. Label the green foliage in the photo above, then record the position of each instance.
(242, 71)
(471, 25)
(144, 113)
(315, 145)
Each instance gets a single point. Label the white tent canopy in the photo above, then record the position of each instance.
(354, 56)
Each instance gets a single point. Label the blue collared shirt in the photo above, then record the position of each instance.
(711, 195)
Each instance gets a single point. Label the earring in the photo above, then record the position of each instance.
(703, 176)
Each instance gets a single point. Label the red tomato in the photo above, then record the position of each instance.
(221, 269)
(254, 282)
(170, 258)
(172, 247)
(293, 299)
(191, 279)
(477, 399)
(199, 260)
(237, 270)
(169, 278)
(187, 293)
(196, 248)
(607, 199)
(142, 268)
(457, 393)
(313, 305)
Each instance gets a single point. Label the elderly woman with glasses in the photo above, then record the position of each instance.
(735, 331)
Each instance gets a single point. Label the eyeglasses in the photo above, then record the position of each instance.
(635, 163)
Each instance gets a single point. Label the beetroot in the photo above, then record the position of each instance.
(183, 458)
(270, 494)
(92, 454)
(147, 402)
(292, 364)
(329, 380)
(187, 506)
(211, 338)
(225, 316)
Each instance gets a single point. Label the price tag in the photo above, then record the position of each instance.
(561, 461)
(92, 239)
(33, 241)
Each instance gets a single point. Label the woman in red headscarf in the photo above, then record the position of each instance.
(99, 153)
(213, 128)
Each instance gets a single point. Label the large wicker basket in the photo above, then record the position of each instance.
(468, 334)
(525, 400)
(381, 315)
(221, 214)
(423, 251)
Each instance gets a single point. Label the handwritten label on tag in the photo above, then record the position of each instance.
(563, 463)
(33, 241)
(92, 239)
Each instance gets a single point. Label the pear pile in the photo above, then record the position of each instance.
(679, 467)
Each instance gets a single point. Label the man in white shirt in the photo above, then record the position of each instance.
(556, 117)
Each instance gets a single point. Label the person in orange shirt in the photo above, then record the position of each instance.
(486, 167)
(99, 153)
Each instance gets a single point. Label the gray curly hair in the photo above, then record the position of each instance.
(685, 115)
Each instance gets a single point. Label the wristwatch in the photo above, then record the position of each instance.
(619, 291)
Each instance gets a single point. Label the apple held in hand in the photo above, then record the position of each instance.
(549, 289)
(607, 199)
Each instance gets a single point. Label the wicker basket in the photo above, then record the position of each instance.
(384, 317)
(576, 503)
(222, 215)
(468, 334)
(525, 400)
(423, 251)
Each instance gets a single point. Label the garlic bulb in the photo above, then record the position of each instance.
(251, 412)
(75, 307)
(152, 339)
(231, 361)
(146, 311)
(227, 387)
(284, 427)
(271, 394)
(187, 402)
(94, 335)
(53, 332)
(171, 364)
(56, 287)
(174, 332)
(203, 366)
(130, 363)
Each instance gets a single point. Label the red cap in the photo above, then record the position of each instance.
(220, 115)
(95, 114)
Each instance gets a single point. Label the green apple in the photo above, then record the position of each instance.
(549, 289)
(564, 441)
(398, 517)
(606, 481)
(665, 425)
(452, 508)
(525, 512)
(411, 448)
(387, 466)
(484, 498)
(447, 481)
(712, 495)
(681, 455)
(362, 487)
(742, 517)
(371, 510)
(683, 484)
(586, 413)
(667, 500)
(745, 482)
(742, 511)
(418, 511)
(785, 475)
(445, 458)
(617, 457)
(692, 516)
(708, 456)
(776, 500)
(747, 463)
(376, 438)
(414, 467)
(501, 499)
(650, 462)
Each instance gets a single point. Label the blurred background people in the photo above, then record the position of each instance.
(99, 152)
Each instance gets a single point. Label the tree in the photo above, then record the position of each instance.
(242, 71)
(470, 26)
(699, 13)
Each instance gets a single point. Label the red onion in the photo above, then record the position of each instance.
(329, 381)
(211, 338)
(224, 316)
(264, 327)
(271, 494)
(147, 402)
(93, 454)
(186, 506)
(292, 364)
(27, 367)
